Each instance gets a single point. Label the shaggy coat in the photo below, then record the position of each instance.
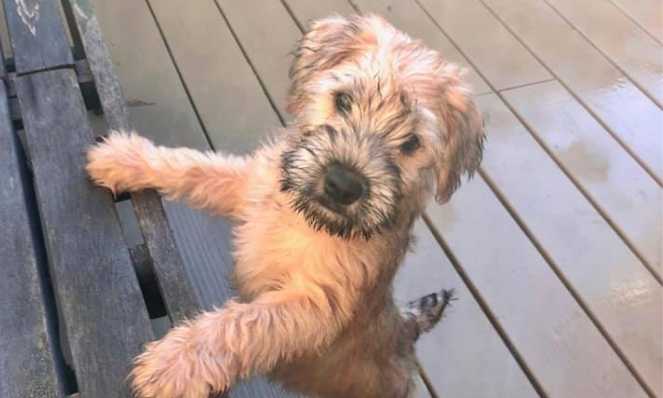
(315, 308)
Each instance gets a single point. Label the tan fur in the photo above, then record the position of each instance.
(315, 309)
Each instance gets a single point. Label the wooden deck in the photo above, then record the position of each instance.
(555, 249)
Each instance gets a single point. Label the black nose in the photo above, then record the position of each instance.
(343, 185)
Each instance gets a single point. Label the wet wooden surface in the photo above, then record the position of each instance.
(626, 111)
(554, 249)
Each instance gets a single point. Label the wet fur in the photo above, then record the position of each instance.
(315, 308)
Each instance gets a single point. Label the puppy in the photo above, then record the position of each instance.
(324, 214)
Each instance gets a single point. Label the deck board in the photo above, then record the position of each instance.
(38, 37)
(268, 45)
(305, 11)
(557, 341)
(90, 267)
(647, 13)
(629, 197)
(587, 251)
(621, 106)
(464, 343)
(27, 360)
(152, 89)
(224, 89)
(639, 56)
(502, 60)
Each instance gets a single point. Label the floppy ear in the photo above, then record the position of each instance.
(328, 43)
(463, 137)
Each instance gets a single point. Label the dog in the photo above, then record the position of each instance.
(323, 212)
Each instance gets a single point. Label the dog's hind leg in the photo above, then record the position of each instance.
(422, 314)
(126, 162)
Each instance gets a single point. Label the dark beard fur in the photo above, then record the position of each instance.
(364, 221)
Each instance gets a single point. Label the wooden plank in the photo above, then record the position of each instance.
(620, 292)
(36, 28)
(565, 352)
(160, 111)
(626, 112)
(463, 356)
(409, 17)
(267, 45)
(179, 297)
(95, 285)
(223, 87)
(203, 241)
(607, 174)
(27, 366)
(4, 35)
(502, 59)
(638, 55)
(305, 11)
(647, 13)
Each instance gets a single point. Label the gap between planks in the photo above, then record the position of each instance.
(169, 50)
(248, 60)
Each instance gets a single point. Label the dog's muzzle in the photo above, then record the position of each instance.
(342, 185)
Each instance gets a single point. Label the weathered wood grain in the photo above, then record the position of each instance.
(27, 366)
(179, 297)
(95, 286)
(37, 35)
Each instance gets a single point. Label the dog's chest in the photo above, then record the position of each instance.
(274, 247)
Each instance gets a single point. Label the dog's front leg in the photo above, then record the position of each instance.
(207, 355)
(129, 162)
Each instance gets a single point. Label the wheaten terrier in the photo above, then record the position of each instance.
(324, 215)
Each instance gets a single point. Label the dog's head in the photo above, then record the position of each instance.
(381, 122)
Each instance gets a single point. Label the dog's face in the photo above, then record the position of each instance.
(380, 120)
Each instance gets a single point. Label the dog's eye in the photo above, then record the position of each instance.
(343, 102)
(410, 145)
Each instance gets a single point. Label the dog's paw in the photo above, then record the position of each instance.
(119, 161)
(428, 310)
(175, 368)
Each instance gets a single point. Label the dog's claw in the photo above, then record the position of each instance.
(428, 310)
